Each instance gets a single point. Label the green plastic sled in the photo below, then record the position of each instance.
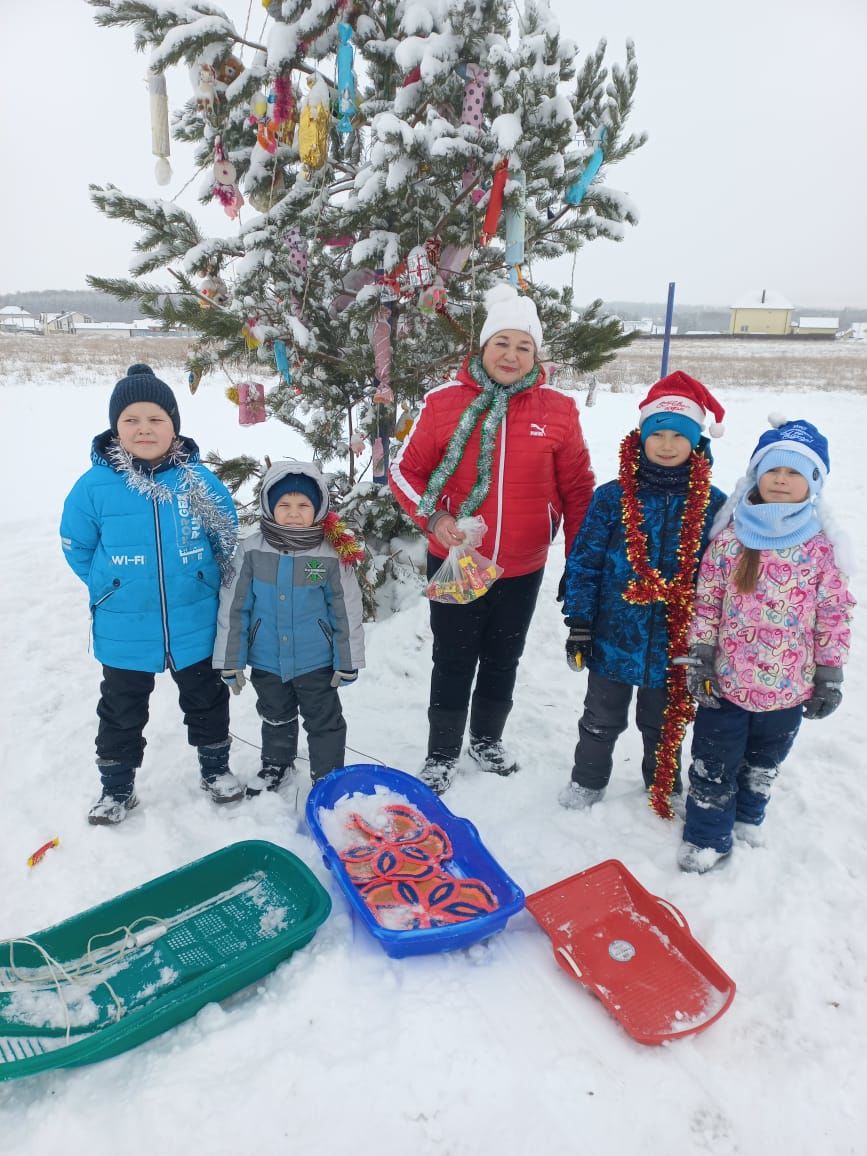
(112, 977)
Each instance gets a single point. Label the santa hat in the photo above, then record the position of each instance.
(506, 309)
(686, 397)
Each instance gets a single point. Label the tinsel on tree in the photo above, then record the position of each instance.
(385, 163)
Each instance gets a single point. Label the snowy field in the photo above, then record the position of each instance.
(492, 1049)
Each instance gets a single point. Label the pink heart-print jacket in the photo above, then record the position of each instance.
(769, 642)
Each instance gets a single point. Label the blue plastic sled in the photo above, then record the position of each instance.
(470, 860)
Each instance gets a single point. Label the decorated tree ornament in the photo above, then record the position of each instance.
(452, 261)
(379, 461)
(206, 90)
(345, 79)
(495, 202)
(296, 251)
(472, 112)
(229, 69)
(405, 422)
(225, 189)
(575, 193)
(514, 229)
(214, 288)
(251, 403)
(381, 341)
(357, 443)
(432, 299)
(194, 378)
(281, 360)
(266, 195)
(313, 125)
(266, 136)
(419, 271)
(160, 139)
(250, 339)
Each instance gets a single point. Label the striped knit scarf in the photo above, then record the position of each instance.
(492, 402)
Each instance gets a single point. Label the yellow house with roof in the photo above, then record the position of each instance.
(761, 311)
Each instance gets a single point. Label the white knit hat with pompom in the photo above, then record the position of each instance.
(507, 309)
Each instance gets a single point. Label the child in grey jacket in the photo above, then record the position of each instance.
(293, 613)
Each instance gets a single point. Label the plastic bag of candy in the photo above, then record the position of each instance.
(466, 574)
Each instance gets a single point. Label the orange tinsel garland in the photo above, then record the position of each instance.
(337, 533)
(677, 593)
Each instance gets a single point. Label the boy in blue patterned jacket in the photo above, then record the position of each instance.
(628, 590)
(293, 613)
(149, 530)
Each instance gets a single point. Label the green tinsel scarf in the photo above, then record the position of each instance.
(494, 398)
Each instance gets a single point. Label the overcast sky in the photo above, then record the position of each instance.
(754, 176)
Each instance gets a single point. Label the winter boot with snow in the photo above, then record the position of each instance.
(487, 720)
(697, 860)
(443, 749)
(574, 797)
(216, 778)
(118, 794)
(269, 778)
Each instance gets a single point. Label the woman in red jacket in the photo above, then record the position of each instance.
(498, 443)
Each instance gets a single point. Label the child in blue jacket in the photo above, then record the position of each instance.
(293, 613)
(149, 529)
(629, 585)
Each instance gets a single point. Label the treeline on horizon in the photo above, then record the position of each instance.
(713, 318)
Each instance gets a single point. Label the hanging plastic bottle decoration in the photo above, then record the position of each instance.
(251, 403)
(225, 188)
(404, 422)
(495, 202)
(345, 79)
(577, 191)
(160, 140)
(357, 443)
(472, 112)
(379, 461)
(381, 341)
(514, 229)
(194, 378)
(281, 360)
(313, 125)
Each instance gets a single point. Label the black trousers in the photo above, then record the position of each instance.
(482, 640)
(279, 703)
(123, 710)
(606, 715)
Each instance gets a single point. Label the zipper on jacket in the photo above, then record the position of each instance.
(164, 613)
(655, 606)
(500, 476)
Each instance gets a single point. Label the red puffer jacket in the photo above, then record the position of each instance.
(541, 471)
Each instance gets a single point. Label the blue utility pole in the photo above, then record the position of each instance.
(669, 313)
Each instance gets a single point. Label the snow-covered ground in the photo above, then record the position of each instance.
(491, 1049)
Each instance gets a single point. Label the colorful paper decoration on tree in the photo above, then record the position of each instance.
(225, 188)
(419, 271)
(452, 261)
(251, 403)
(576, 192)
(160, 140)
(432, 300)
(357, 443)
(514, 230)
(345, 79)
(281, 360)
(296, 251)
(495, 202)
(379, 461)
(314, 124)
(250, 339)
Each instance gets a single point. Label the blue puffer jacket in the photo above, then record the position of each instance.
(630, 643)
(149, 544)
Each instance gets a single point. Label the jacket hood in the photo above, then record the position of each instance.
(279, 470)
(102, 443)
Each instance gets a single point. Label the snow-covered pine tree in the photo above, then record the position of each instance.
(364, 148)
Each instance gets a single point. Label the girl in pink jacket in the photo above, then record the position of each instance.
(768, 641)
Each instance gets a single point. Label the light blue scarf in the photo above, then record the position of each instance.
(774, 525)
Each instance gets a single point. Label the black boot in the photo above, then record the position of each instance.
(217, 779)
(445, 739)
(487, 720)
(269, 778)
(118, 794)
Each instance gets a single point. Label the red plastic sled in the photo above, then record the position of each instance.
(634, 951)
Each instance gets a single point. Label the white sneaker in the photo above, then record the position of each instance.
(574, 797)
(750, 833)
(698, 860)
(224, 788)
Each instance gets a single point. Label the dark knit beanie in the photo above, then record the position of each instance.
(141, 384)
(295, 484)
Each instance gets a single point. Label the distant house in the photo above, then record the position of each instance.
(816, 326)
(14, 319)
(64, 322)
(761, 311)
